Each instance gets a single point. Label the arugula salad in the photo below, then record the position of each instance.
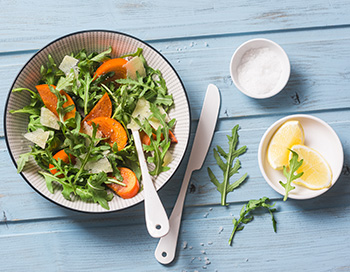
(80, 116)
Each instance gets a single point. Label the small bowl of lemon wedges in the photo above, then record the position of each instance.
(317, 146)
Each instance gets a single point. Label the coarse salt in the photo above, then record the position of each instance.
(259, 71)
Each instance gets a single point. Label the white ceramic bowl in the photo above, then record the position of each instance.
(15, 125)
(319, 136)
(276, 50)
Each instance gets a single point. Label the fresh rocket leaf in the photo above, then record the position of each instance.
(97, 191)
(51, 74)
(64, 83)
(103, 56)
(152, 88)
(157, 146)
(23, 159)
(294, 165)
(227, 167)
(246, 217)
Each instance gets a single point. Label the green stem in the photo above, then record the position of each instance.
(226, 179)
(83, 164)
(110, 180)
(86, 93)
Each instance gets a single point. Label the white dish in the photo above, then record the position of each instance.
(98, 41)
(319, 136)
(256, 44)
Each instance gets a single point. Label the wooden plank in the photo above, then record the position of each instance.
(203, 242)
(318, 71)
(23, 29)
(16, 194)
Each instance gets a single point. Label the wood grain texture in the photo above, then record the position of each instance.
(152, 20)
(198, 38)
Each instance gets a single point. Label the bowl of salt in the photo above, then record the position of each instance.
(260, 68)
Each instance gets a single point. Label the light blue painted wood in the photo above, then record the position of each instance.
(318, 71)
(198, 38)
(27, 26)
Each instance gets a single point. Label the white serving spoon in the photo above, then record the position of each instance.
(156, 218)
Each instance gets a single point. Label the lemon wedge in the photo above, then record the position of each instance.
(317, 173)
(289, 134)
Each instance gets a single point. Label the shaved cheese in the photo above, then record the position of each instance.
(143, 111)
(89, 129)
(67, 64)
(38, 137)
(94, 167)
(133, 66)
(168, 158)
(101, 165)
(49, 119)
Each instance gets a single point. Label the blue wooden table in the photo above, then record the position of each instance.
(198, 38)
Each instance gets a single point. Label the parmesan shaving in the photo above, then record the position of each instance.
(38, 137)
(133, 66)
(94, 167)
(49, 119)
(143, 111)
(67, 64)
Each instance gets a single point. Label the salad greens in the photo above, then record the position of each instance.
(228, 168)
(294, 165)
(85, 149)
(245, 217)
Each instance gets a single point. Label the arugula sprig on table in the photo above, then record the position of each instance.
(246, 216)
(293, 166)
(228, 168)
(225, 187)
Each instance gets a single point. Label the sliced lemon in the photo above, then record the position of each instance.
(289, 134)
(317, 173)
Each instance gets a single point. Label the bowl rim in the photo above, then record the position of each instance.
(278, 123)
(61, 38)
(274, 91)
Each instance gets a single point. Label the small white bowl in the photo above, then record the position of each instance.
(256, 44)
(319, 136)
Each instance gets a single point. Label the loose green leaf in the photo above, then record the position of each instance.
(227, 167)
(246, 217)
(294, 165)
(23, 159)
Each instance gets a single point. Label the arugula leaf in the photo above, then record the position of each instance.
(66, 82)
(51, 74)
(294, 165)
(246, 217)
(138, 53)
(35, 102)
(228, 168)
(103, 56)
(152, 87)
(97, 191)
(23, 159)
(157, 146)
